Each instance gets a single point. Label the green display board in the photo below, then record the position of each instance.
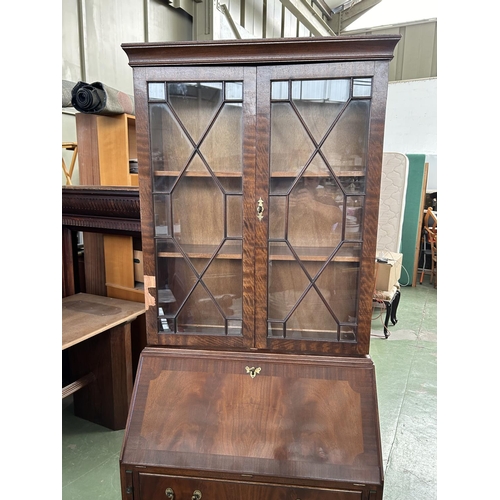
(413, 207)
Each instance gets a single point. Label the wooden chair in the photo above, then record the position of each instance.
(69, 146)
(432, 238)
(429, 231)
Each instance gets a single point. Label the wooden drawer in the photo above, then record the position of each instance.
(154, 487)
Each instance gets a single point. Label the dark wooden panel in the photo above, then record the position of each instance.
(105, 401)
(300, 417)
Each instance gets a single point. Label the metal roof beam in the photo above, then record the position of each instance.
(306, 14)
(347, 16)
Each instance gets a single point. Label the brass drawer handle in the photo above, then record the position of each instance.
(196, 495)
(260, 209)
(170, 493)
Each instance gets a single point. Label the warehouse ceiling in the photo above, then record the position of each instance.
(320, 17)
(328, 17)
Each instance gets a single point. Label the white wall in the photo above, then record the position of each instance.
(411, 121)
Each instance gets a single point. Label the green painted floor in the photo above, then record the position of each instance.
(406, 368)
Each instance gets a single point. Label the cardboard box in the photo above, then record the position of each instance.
(388, 274)
(138, 267)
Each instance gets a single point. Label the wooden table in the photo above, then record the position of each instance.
(97, 331)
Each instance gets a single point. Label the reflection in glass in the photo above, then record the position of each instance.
(195, 104)
(346, 146)
(279, 90)
(234, 91)
(156, 91)
(321, 90)
(362, 87)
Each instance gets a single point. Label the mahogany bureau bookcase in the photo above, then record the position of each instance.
(259, 179)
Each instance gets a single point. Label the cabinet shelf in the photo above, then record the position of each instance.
(277, 175)
(162, 173)
(199, 255)
(310, 254)
(343, 173)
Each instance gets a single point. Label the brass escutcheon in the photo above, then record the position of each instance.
(260, 209)
(253, 371)
(170, 493)
(196, 495)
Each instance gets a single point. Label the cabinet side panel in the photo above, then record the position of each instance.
(145, 193)
(374, 173)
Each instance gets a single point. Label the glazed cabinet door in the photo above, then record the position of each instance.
(318, 176)
(261, 204)
(199, 138)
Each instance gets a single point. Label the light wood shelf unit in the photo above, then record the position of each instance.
(106, 145)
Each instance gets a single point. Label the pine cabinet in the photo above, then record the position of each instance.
(259, 179)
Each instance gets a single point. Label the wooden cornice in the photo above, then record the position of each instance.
(263, 50)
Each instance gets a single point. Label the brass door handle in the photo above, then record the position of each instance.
(260, 209)
(196, 495)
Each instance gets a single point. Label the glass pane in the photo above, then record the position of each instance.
(224, 279)
(162, 219)
(170, 147)
(156, 91)
(234, 216)
(175, 278)
(319, 102)
(275, 329)
(197, 212)
(277, 217)
(348, 252)
(348, 333)
(200, 314)
(230, 184)
(314, 218)
(353, 185)
(281, 184)
(234, 91)
(321, 90)
(346, 146)
(318, 326)
(362, 87)
(287, 282)
(291, 147)
(234, 327)
(338, 284)
(163, 183)
(279, 90)
(195, 104)
(354, 217)
(222, 147)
